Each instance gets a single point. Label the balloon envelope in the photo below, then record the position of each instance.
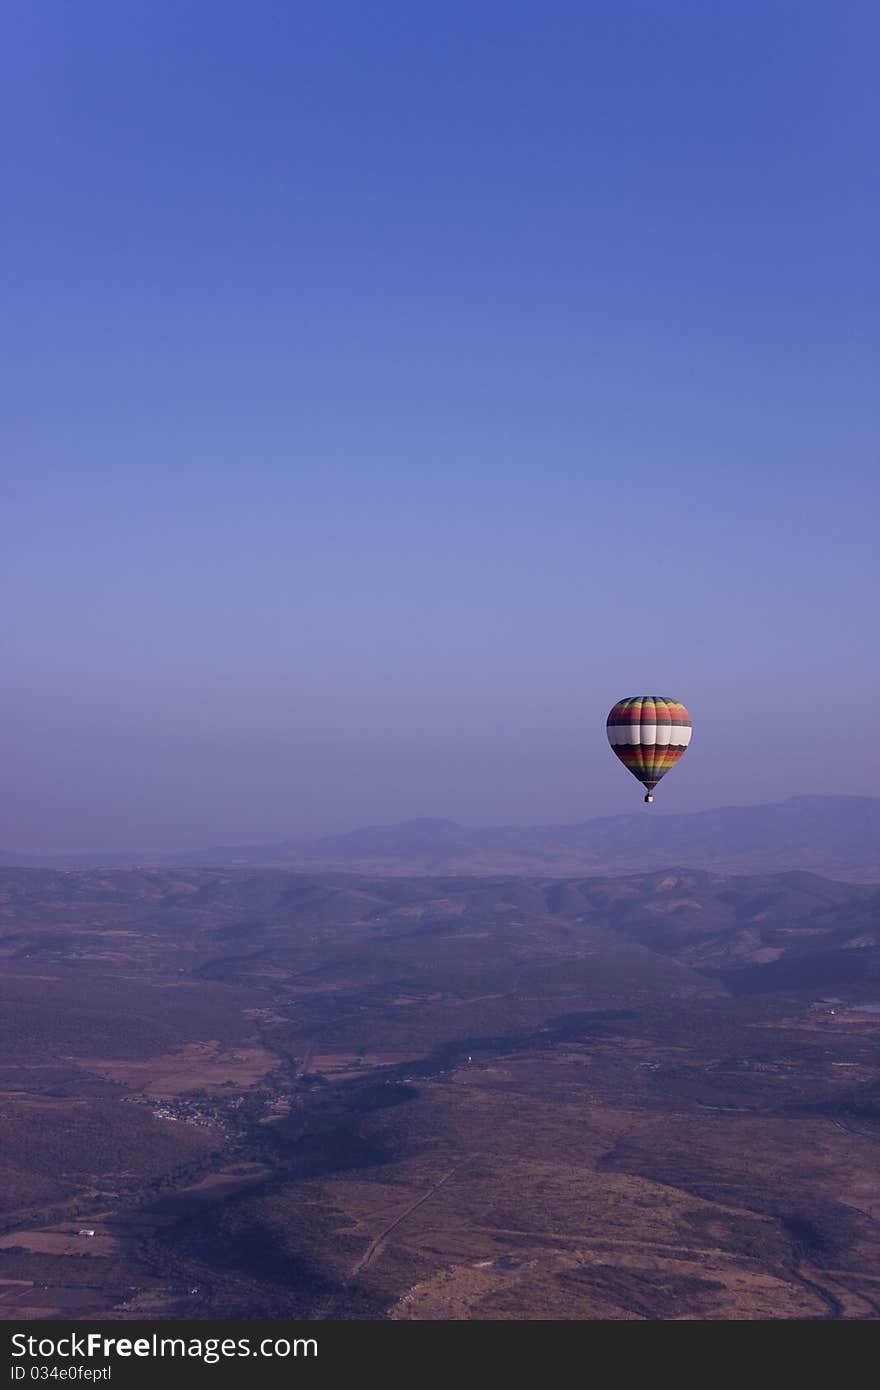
(649, 733)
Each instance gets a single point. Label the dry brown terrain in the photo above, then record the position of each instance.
(274, 1095)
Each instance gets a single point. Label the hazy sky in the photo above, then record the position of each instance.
(389, 388)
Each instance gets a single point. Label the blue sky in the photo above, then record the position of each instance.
(388, 389)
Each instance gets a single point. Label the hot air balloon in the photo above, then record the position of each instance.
(649, 733)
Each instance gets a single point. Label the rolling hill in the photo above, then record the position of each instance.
(837, 836)
(275, 1093)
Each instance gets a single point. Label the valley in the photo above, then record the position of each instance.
(267, 1094)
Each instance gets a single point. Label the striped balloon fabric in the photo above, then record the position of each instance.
(649, 733)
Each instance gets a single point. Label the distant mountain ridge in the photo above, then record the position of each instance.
(838, 836)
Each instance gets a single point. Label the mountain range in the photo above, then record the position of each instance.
(838, 836)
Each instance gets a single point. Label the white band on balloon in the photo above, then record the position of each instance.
(665, 735)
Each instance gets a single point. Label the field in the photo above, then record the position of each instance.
(271, 1094)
